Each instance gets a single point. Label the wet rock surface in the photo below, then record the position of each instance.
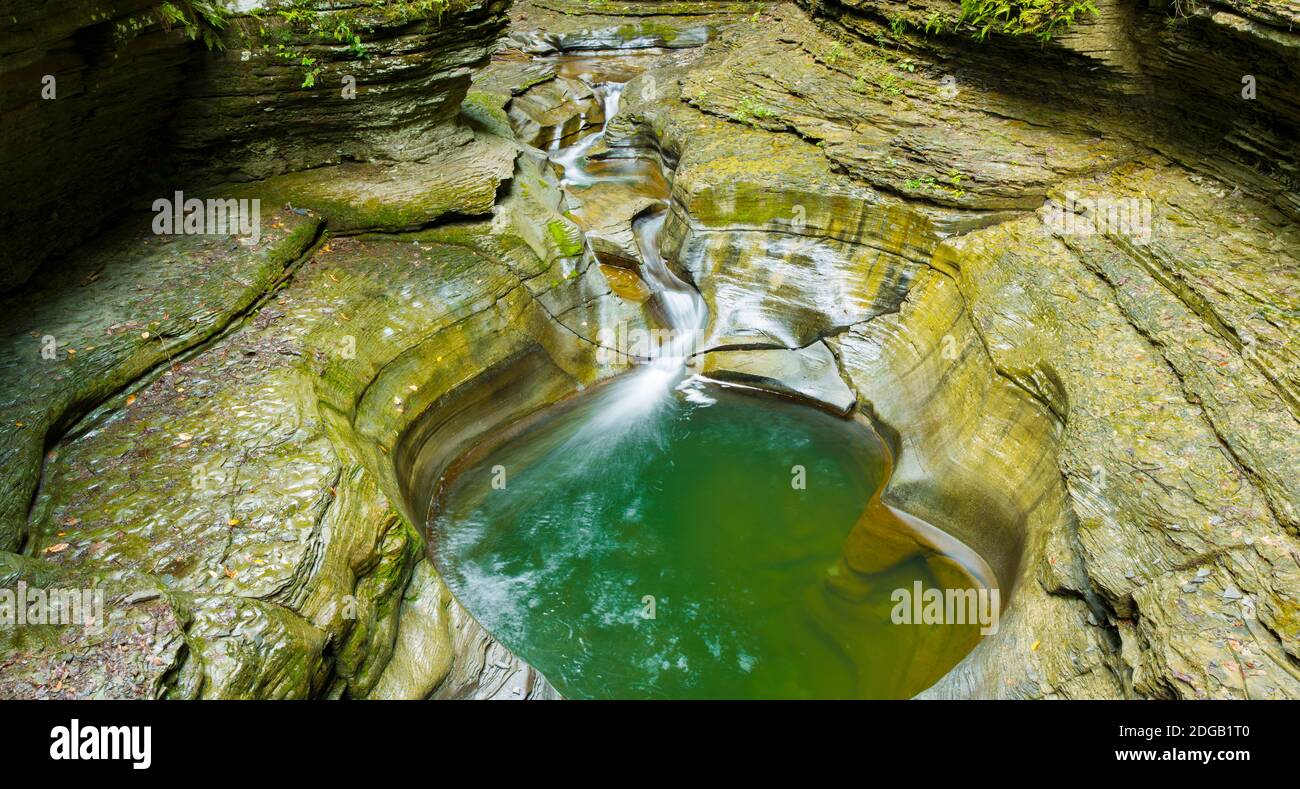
(810, 373)
(225, 438)
(1089, 376)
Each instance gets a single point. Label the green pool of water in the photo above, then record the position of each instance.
(665, 548)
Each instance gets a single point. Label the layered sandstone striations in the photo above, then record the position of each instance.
(910, 225)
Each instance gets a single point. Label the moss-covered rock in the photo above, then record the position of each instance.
(297, 86)
(129, 302)
(1100, 414)
(1106, 414)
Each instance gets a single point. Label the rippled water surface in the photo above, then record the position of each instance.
(661, 537)
(639, 544)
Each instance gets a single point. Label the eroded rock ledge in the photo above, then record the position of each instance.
(228, 449)
(1111, 404)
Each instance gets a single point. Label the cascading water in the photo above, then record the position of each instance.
(649, 542)
(573, 158)
(681, 306)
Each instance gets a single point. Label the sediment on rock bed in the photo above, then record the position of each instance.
(225, 436)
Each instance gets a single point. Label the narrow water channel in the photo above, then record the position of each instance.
(663, 536)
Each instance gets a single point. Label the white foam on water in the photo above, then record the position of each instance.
(637, 396)
(695, 390)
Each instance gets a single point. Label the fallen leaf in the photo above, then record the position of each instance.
(60, 548)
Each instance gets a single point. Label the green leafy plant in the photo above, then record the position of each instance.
(406, 10)
(935, 23)
(929, 182)
(299, 21)
(311, 69)
(955, 178)
(751, 107)
(304, 20)
(1041, 18)
(202, 20)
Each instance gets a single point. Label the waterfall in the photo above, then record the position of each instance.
(573, 158)
(683, 310)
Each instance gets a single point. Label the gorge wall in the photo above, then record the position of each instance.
(108, 105)
(225, 436)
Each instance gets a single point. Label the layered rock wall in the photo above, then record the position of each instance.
(1211, 83)
(1103, 408)
(352, 81)
(139, 110)
(1107, 413)
(86, 88)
